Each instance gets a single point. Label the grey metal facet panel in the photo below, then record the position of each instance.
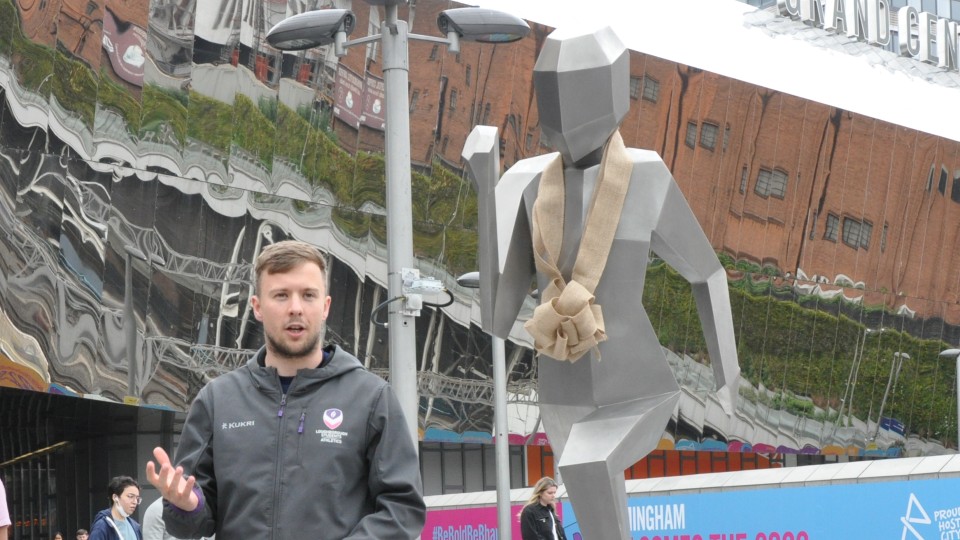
(582, 81)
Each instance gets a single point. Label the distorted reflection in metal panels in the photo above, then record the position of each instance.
(150, 150)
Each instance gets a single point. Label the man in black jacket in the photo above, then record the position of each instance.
(301, 442)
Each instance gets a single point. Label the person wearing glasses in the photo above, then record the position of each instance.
(116, 522)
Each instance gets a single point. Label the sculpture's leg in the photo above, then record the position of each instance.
(598, 449)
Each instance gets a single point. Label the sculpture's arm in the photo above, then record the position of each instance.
(678, 239)
(506, 252)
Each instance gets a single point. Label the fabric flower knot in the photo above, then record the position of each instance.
(569, 324)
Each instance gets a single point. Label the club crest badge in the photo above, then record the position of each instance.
(333, 418)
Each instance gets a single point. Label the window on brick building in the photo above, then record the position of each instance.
(942, 185)
(708, 135)
(467, 73)
(856, 233)
(955, 188)
(930, 177)
(743, 180)
(443, 145)
(726, 137)
(691, 138)
(813, 224)
(635, 85)
(414, 98)
(486, 114)
(453, 99)
(771, 183)
(883, 237)
(832, 227)
(651, 88)
(433, 52)
(866, 231)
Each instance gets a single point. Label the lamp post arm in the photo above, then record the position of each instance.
(362, 40)
(434, 39)
(378, 37)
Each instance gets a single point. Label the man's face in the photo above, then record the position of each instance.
(129, 499)
(292, 307)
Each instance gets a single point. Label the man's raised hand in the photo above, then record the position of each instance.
(173, 484)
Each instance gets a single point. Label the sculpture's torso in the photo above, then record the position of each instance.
(631, 362)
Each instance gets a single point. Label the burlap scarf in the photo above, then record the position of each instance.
(567, 323)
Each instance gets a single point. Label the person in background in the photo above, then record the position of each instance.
(116, 523)
(538, 519)
(153, 527)
(4, 513)
(82, 534)
(58, 536)
(302, 440)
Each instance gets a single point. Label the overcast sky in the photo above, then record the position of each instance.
(712, 35)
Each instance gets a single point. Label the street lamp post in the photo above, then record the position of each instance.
(331, 26)
(854, 373)
(898, 358)
(501, 441)
(955, 354)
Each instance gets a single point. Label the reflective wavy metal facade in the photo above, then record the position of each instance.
(150, 149)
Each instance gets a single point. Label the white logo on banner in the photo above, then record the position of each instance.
(911, 518)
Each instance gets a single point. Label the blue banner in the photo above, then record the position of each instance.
(917, 510)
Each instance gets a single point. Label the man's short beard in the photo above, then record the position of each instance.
(281, 350)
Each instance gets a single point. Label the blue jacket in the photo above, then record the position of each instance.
(103, 527)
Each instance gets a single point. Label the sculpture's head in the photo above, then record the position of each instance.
(582, 80)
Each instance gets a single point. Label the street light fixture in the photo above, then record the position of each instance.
(501, 449)
(321, 27)
(312, 29)
(955, 354)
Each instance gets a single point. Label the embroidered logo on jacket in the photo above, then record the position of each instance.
(333, 418)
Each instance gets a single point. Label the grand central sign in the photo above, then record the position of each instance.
(921, 35)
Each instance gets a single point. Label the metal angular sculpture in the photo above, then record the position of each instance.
(607, 410)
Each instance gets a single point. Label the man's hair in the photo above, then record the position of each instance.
(120, 483)
(81, 531)
(285, 256)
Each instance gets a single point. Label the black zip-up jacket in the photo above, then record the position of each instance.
(331, 459)
(535, 523)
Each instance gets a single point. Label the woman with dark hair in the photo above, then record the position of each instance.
(538, 519)
(116, 523)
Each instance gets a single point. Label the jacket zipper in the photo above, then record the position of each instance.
(303, 417)
(278, 470)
